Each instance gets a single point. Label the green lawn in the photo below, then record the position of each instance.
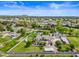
(74, 40)
(21, 48)
(4, 39)
(8, 45)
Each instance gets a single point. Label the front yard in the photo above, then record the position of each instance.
(8, 45)
(22, 48)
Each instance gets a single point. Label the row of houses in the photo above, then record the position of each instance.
(13, 35)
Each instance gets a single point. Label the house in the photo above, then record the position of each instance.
(48, 39)
(11, 34)
(38, 38)
(41, 37)
(52, 23)
(62, 37)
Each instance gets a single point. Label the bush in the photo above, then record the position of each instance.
(42, 43)
(41, 47)
(42, 55)
(36, 55)
(72, 46)
(28, 43)
(58, 43)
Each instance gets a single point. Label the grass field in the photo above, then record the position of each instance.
(21, 48)
(8, 45)
(74, 40)
(4, 39)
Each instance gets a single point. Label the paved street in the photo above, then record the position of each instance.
(42, 53)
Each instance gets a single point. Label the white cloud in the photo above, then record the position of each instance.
(15, 9)
(14, 5)
(65, 5)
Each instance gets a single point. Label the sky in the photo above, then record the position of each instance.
(40, 8)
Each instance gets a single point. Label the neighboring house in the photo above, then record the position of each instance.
(52, 23)
(42, 23)
(11, 34)
(66, 23)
